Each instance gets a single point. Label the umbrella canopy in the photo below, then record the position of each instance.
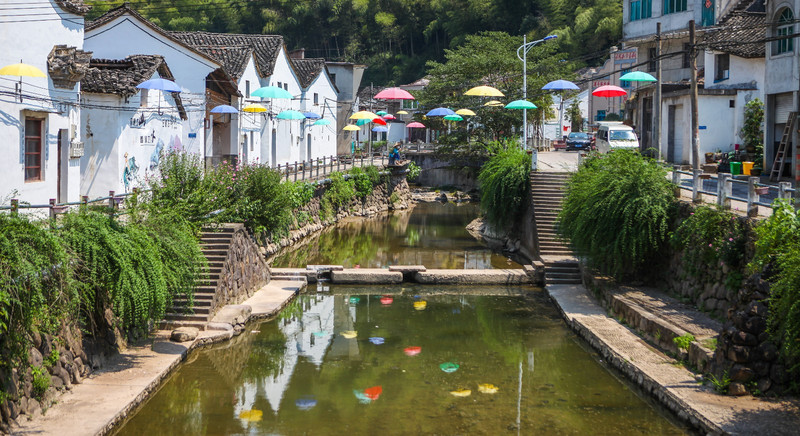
(485, 91)
(224, 109)
(609, 91)
(380, 129)
(291, 115)
(272, 92)
(394, 94)
(520, 104)
(312, 115)
(254, 108)
(351, 128)
(380, 121)
(322, 122)
(439, 112)
(21, 70)
(637, 76)
(160, 84)
(362, 122)
(381, 113)
(465, 112)
(493, 103)
(389, 117)
(363, 115)
(560, 85)
(453, 117)
(416, 125)
(402, 113)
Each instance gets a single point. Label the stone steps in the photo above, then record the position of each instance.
(562, 273)
(547, 196)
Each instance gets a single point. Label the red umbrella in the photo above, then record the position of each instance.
(389, 117)
(416, 125)
(609, 91)
(394, 94)
(379, 121)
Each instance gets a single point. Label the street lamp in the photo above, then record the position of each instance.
(525, 47)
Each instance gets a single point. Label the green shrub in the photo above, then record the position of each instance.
(413, 171)
(339, 192)
(300, 193)
(41, 381)
(181, 186)
(616, 212)
(504, 183)
(361, 182)
(684, 341)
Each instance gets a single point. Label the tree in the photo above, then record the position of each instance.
(575, 116)
(753, 129)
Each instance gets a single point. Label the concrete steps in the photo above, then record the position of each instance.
(564, 272)
(547, 194)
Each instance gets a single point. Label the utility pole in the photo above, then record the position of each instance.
(693, 93)
(657, 97)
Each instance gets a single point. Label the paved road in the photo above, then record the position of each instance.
(558, 161)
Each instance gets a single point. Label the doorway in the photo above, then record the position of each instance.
(274, 157)
(308, 146)
(675, 129)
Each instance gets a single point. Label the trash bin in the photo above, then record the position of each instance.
(736, 168)
(746, 167)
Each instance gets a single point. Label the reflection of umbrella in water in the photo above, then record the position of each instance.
(449, 367)
(305, 403)
(412, 351)
(377, 340)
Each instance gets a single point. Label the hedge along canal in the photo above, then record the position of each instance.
(347, 361)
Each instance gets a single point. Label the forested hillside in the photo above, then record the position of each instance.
(394, 37)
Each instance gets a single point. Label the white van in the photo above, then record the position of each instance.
(613, 134)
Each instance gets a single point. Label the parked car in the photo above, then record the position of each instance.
(613, 135)
(578, 141)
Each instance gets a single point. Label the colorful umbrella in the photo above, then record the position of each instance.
(272, 92)
(485, 91)
(291, 115)
(380, 129)
(520, 104)
(377, 340)
(394, 94)
(350, 334)
(560, 85)
(312, 115)
(449, 367)
(609, 91)
(416, 125)
(379, 121)
(389, 117)
(362, 122)
(160, 84)
(381, 113)
(637, 76)
(412, 351)
(465, 112)
(224, 109)
(439, 112)
(453, 117)
(402, 113)
(351, 128)
(21, 70)
(321, 122)
(363, 115)
(493, 103)
(253, 107)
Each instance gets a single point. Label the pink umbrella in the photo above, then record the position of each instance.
(389, 117)
(609, 91)
(379, 121)
(416, 125)
(394, 94)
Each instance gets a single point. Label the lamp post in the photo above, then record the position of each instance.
(524, 48)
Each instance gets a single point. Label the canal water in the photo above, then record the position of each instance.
(430, 234)
(401, 360)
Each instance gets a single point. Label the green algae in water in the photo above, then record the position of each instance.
(495, 338)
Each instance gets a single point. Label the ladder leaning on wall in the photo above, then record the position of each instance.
(780, 154)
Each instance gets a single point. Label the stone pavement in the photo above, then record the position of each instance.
(672, 384)
(558, 161)
(106, 398)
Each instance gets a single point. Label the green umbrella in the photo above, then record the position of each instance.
(271, 92)
(520, 104)
(637, 76)
(322, 122)
(291, 115)
(381, 113)
(362, 122)
(453, 117)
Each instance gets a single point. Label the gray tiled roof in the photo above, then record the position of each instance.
(77, 7)
(734, 32)
(308, 69)
(264, 47)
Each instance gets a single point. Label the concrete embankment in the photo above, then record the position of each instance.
(667, 380)
(410, 274)
(102, 402)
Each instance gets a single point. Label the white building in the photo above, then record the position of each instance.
(319, 96)
(126, 129)
(40, 115)
(347, 78)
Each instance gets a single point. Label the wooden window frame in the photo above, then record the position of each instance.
(39, 169)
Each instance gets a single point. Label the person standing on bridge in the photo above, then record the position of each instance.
(394, 155)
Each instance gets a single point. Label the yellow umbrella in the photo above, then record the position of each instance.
(364, 115)
(254, 108)
(351, 127)
(402, 113)
(493, 103)
(21, 70)
(485, 91)
(465, 112)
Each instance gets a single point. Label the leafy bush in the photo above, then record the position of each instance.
(683, 342)
(413, 171)
(339, 193)
(361, 182)
(181, 186)
(41, 381)
(300, 193)
(778, 253)
(504, 186)
(616, 211)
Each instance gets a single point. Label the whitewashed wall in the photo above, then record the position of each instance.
(252, 125)
(288, 132)
(323, 138)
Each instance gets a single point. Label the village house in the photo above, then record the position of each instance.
(40, 115)
(346, 76)
(318, 98)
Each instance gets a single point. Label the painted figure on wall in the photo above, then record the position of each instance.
(156, 156)
(129, 172)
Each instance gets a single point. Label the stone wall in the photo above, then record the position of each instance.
(244, 272)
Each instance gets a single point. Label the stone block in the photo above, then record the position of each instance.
(473, 277)
(184, 334)
(737, 389)
(756, 325)
(372, 276)
(233, 314)
(744, 338)
(407, 268)
(767, 351)
(741, 373)
(739, 353)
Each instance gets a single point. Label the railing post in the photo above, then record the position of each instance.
(324, 165)
(112, 203)
(52, 211)
(676, 180)
(14, 207)
(338, 164)
(304, 170)
(84, 201)
(724, 191)
(317, 167)
(295, 171)
(783, 190)
(697, 183)
(752, 196)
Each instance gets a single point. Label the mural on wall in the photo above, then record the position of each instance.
(130, 171)
(156, 156)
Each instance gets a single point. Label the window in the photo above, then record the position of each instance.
(640, 9)
(280, 85)
(247, 88)
(143, 98)
(33, 149)
(316, 99)
(625, 83)
(651, 56)
(722, 63)
(785, 27)
(687, 55)
(410, 104)
(285, 86)
(672, 6)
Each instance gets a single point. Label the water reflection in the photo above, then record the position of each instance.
(300, 374)
(431, 234)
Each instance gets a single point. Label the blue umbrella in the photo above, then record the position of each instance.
(560, 85)
(380, 129)
(271, 92)
(322, 122)
(160, 84)
(312, 115)
(224, 109)
(439, 112)
(291, 115)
